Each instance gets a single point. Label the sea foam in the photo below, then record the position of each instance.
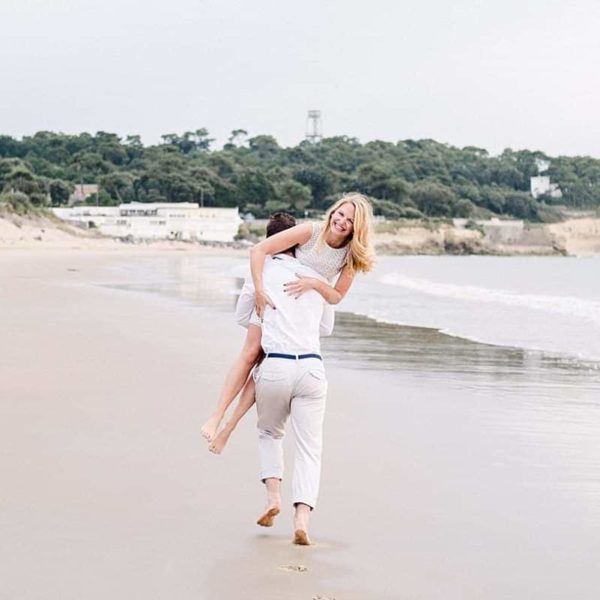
(563, 305)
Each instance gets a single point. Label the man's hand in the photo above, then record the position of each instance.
(301, 285)
(261, 302)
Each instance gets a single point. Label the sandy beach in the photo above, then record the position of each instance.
(442, 478)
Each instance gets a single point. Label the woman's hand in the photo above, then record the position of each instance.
(262, 300)
(301, 285)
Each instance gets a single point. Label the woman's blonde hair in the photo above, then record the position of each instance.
(361, 254)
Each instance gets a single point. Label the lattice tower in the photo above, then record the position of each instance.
(314, 126)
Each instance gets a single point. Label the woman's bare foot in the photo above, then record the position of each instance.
(267, 518)
(209, 429)
(217, 445)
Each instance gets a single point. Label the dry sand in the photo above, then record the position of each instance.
(109, 492)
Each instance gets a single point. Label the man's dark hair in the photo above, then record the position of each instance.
(279, 222)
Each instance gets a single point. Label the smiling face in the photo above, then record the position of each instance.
(349, 223)
(341, 223)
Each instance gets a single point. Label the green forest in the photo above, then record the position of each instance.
(406, 179)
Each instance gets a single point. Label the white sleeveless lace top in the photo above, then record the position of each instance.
(324, 259)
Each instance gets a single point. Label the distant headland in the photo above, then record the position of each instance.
(416, 184)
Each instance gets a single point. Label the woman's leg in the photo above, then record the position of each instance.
(244, 405)
(236, 378)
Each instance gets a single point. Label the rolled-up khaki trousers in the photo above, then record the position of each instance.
(296, 389)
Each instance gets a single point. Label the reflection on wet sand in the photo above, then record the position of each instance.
(362, 343)
(196, 280)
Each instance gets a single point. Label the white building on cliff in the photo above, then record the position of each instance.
(153, 221)
(541, 185)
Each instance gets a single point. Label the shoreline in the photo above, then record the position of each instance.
(203, 298)
(575, 237)
(365, 321)
(545, 356)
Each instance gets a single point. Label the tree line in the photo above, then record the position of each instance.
(406, 179)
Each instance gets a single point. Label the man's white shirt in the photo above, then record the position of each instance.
(295, 325)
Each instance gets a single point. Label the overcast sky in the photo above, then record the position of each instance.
(495, 74)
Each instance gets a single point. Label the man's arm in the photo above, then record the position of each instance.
(245, 304)
(328, 315)
(333, 295)
(327, 320)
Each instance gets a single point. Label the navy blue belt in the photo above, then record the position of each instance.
(292, 356)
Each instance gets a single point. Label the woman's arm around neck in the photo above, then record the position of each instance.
(299, 234)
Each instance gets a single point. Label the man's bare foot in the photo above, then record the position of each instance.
(217, 445)
(301, 538)
(273, 487)
(301, 519)
(267, 518)
(209, 429)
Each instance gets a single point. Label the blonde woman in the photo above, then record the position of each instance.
(339, 247)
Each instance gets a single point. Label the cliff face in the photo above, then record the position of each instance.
(422, 240)
(580, 237)
(576, 237)
(521, 238)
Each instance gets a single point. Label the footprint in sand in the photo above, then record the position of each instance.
(294, 568)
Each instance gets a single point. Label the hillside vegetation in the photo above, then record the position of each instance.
(407, 179)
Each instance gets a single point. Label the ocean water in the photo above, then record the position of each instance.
(551, 304)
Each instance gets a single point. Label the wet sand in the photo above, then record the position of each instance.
(444, 477)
